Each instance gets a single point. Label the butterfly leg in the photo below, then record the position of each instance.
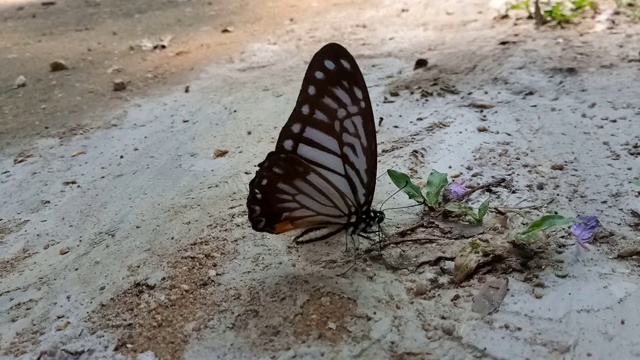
(355, 253)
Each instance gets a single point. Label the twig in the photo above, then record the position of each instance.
(484, 186)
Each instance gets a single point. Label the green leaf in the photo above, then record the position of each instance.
(463, 209)
(548, 221)
(454, 207)
(436, 182)
(484, 208)
(403, 182)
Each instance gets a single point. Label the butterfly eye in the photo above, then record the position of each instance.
(323, 170)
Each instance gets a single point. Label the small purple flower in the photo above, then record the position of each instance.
(457, 190)
(584, 229)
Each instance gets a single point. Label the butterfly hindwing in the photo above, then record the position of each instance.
(301, 199)
(322, 172)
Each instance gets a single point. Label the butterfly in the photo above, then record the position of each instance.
(321, 175)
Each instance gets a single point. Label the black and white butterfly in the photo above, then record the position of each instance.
(322, 173)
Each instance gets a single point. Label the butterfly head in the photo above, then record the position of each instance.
(378, 216)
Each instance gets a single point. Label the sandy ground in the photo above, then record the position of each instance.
(140, 246)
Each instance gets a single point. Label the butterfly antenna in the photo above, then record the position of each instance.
(394, 194)
(403, 207)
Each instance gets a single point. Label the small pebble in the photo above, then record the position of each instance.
(482, 128)
(538, 294)
(21, 81)
(420, 289)
(404, 272)
(455, 174)
(449, 329)
(62, 325)
(184, 287)
(561, 274)
(58, 65)
(558, 167)
(119, 85)
(212, 273)
(64, 251)
(420, 64)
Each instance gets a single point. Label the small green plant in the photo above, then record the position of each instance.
(582, 227)
(466, 210)
(547, 222)
(560, 12)
(428, 195)
(431, 194)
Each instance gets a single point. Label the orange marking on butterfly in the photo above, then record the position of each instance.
(283, 227)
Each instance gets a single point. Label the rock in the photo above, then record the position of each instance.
(537, 294)
(420, 64)
(332, 326)
(558, 167)
(490, 296)
(455, 174)
(114, 69)
(217, 153)
(78, 153)
(420, 289)
(64, 250)
(449, 329)
(227, 30)
(62, 325)
(447, 267)
(404, 272)
(147, 355)
(184, 287)
(119, 85)
(21, 81)
(155, 279)
(58, 65)
(212, 273)
(561, 274)
(482, 128)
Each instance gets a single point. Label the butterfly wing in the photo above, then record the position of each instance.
(326, 152)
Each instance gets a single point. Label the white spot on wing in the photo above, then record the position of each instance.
(329, 101)
(363, 104)
(263, 182)
(288, 144)
(342, 113)
(329, 64)
(255, 210)
(311, 90)
(296, 128)
(352, 109)
(346, 64)
(260, 223)
(319, 75)
(358, 92)
(319, 115)
(305, 109)
(342, 95)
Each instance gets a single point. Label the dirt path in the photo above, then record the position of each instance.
(139, 245)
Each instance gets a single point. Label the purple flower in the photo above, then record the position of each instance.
(584, 229)
(456, 190)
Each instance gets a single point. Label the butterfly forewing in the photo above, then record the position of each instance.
(323, 169)
(332, 124)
